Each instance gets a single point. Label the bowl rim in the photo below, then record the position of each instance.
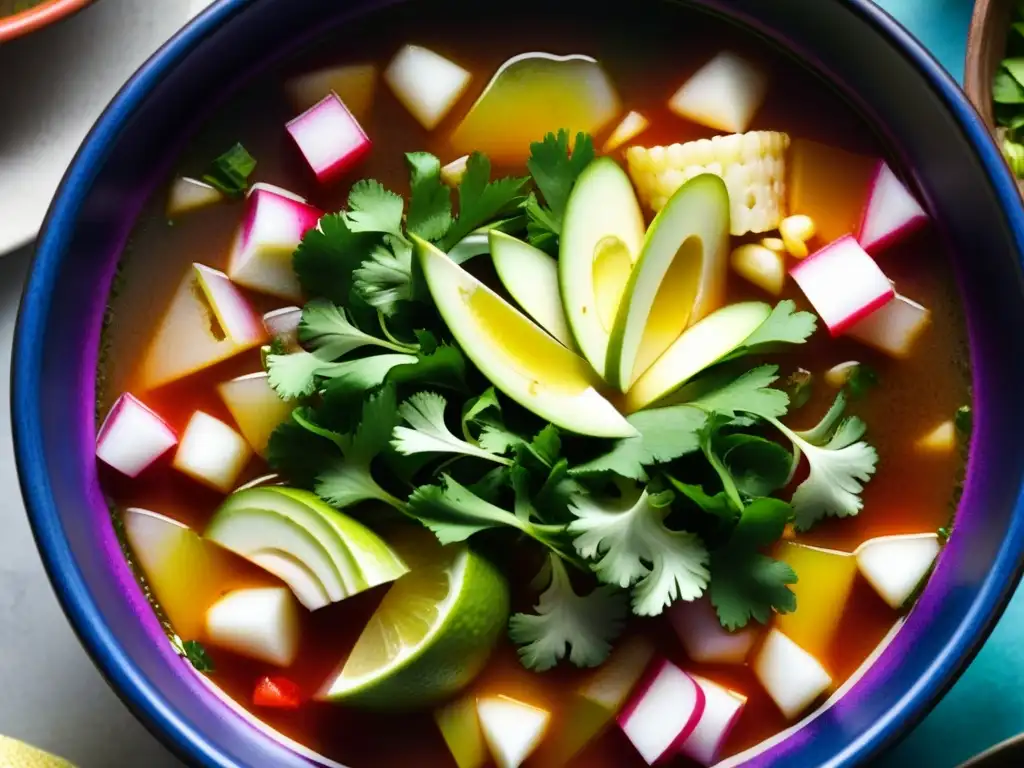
(38, 16)
(144, 699)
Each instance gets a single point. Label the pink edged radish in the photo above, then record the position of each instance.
(894, 328)
(722, 709)
(790, 675)
(330, 138)
(427, 84)
(260, 623)
(891, 212)
(211, 452)
(209, 320)
(283, 324)
(273, 224)
(704, 638)
(843, 284)
(189, 195)
(724, 94)
(663, 712)
(133, 437)
(255, 407)
(353, 83)
(896, 565)
(512, 729)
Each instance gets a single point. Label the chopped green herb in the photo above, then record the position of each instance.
(372, 208)
(428, 433)
(554, 170)
(230, 172)
(964, 420)
(481, 200)
(862, 379)
(197, 656)
(430, 201)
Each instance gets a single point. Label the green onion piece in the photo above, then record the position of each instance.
(230, 172)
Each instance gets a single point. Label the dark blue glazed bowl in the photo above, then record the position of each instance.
(916, 108)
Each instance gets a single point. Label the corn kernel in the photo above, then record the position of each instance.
(796, 231)
(761, 266)
(774, 244)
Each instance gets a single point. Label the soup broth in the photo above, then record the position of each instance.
(908, 402)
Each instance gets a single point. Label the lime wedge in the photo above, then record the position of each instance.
(19, 755)
(429, 637)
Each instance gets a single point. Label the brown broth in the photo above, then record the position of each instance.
(910, 493)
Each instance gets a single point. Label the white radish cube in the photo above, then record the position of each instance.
(632, 125)
(452, 173)
(189, 195)
(704, 638)
(895, 565)
(354, 83)
(843, 284)
(891, 212)
(426, 83)
(330, 138)
(212, 452)
(790, 675)
(272, 228)
(261, 624)
(941, 440)
(284, 324)
(663, 712)
(255, 406)
(511, 728)
(133, 437)
(722, 709)
(894, 328)
(724, 94)
(209, 320)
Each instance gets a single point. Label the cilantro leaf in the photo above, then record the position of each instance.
(555, 170)
(229, 174)
(372, 208)
(542, 228)
(481, 200)
(325, 328)
(800, 387)
(444, 366)
(758, 467)
(746, 584)
(475, 411)
(328, 255)
(783, 326)
(387, 277)
(430, 200)
(630, 546)
(582, 626)
(424, 412)
(717, 505)
(298, 454)
(197, 656)
(963, 420)
(546, 446)
(751, 392)
(862, 379)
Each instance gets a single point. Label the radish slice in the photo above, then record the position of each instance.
(330, 138)
(511, 728)
(941, 440)
(895, 565)
(843, 284)
(704, 638)
(724, 94)
(426, 83)
(790, 675)
(632, 125)
(893, 329)
(284, 324)
(212, 452)
(891, 212)
(354, 83)
(722, 709)
(452, 173)
(272, 228)
(189, 195)
(133, 437)
(261, 624)
(663, 712)
(255, 407)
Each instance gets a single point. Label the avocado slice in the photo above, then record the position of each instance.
(684, 256)
(700, 346)
(323, 555)
(514, 353)
(602, 233)
(531, 278)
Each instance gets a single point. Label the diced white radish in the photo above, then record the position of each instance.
(426, 83)
(189, 195)
(940, 440)
(895, 565)
(261, 624)
(704, 638)
(632, 125)
(722, 709)
(843, 284)
(209, 320)
(838, 375)
(255, 406)
(610, 684)
(272, 227)
(330, 138)
(894, 328)
(790, 675)
(284, 324)
(452, 173)
(512, 729)
(133, 437)
(724, 94)
(354, 84)
(891, 212)
(663, 712)
(761, 266)
(212, 452)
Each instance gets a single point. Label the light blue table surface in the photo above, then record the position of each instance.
(986, 705)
